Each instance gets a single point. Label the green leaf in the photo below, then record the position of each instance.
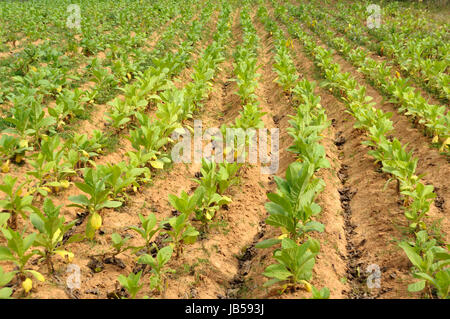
(417, 286)
(36, 275)
(85, 188)
(111, 204)
(147, 259)
(80, 199)
(277, 271)
(164, 255)
(4, 218)
(75, 238)
(268, 243)
(37, 222)
(412, 255)
(5, 293)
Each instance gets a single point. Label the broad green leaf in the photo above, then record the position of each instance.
(268, 243)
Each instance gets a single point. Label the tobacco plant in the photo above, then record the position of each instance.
(294, 263)
(17, 252)
(158, 271)
(16, 202)
(94, 185)
(52, 231)
(292, 206)
(131, 283)
(147, 230)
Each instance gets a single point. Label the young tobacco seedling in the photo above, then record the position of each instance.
(323, 293)
(157, 278)
(16, 252)
(293, 206)
(94, 186)
(147, 231)
(51, 168)
(119, 177)
(431, 268)
(295, 262)
(15, 203)
(52, 228)
(148, 139)
(227, 175)
(13, 148)
(186, 204)
(422, 196)
(118, 243)
(210, 182)
(131, 283)
(181, 231)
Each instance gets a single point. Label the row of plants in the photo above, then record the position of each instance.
(58, 161)
(149, 137)
(29, 123)
(50, 67)
(292, 208)
(402, 25)
(434, 118)
(107, 22)
(429, 256)
(419, 58)
(105, 186)
(202, 205)
(215, 178)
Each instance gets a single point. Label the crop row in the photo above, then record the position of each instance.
(429, 258)
(293, 208)
(105, 186)
(409, 100)
(424, 59)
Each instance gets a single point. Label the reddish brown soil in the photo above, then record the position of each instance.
(362, 221)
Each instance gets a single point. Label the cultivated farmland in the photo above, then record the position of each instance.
(119, 178)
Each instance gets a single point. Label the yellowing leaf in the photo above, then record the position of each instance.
(5, 167)
(46, 189)
(27, 285)
(444, 144)
(96, 221)
(56, 236)
(282, 236)
(65, 254)
(65, 184)
(307, 285)
(157, 164)
(23, 143)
